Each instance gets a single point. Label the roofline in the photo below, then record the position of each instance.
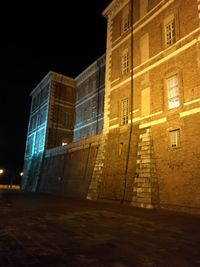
(47, 77)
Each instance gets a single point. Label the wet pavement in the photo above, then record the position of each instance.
(43, 230)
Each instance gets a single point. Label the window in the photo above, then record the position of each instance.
(93, 109)
(125, 20)
(29, 146)
(174, 138)
(42, 115)
(44, 93)
(64, 143)
(39, 141)
(121, 148)
(124, 111)
(173, 92)
(170, 32)
(125, 65)
(33, 122)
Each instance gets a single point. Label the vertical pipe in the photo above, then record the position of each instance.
(131, 105)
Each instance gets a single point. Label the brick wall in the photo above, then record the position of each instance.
(178, 169)
(89, 100)
(67, 170)
(135, 162)
(61, 113)
(115, 183)
(164, 176)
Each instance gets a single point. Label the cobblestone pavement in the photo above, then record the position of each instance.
(42, 230)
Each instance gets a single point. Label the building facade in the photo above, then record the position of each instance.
(150, 157)
(51, 123)
(90, 87)
(148, 153)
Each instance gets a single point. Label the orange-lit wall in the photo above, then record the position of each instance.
(177, 170)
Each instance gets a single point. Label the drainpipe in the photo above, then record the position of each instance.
(131, 106)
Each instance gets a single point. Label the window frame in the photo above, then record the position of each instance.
(125, 62)
(174, 138)
(173, 92)
(125, 22)
(170, 31)
(124, 111)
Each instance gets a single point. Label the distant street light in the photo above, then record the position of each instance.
(1, 171)
(21, 173)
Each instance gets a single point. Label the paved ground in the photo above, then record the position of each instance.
(39, 230)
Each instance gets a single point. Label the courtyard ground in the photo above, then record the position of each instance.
(44, 230)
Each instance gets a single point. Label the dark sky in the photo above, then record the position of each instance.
(62, 36)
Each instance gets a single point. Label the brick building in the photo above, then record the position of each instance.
(90, 87)
(51, 123)
(148, 154)
(63, 110)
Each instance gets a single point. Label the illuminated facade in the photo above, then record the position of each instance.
(90, 87)
(51, 123)
(148, 154)
(63, 110)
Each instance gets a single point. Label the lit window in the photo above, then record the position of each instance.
(125, 65)
(64, 143)
(170, 33)
(174, 138)
(124, 111)
(173, 92)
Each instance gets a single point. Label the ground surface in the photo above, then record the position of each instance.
(42, 230)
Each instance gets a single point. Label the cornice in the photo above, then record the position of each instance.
(63, 79)
(114, 7)
(42, 83)
(89, 71)
(52, 76)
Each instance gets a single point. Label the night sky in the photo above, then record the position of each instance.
(62, 36)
